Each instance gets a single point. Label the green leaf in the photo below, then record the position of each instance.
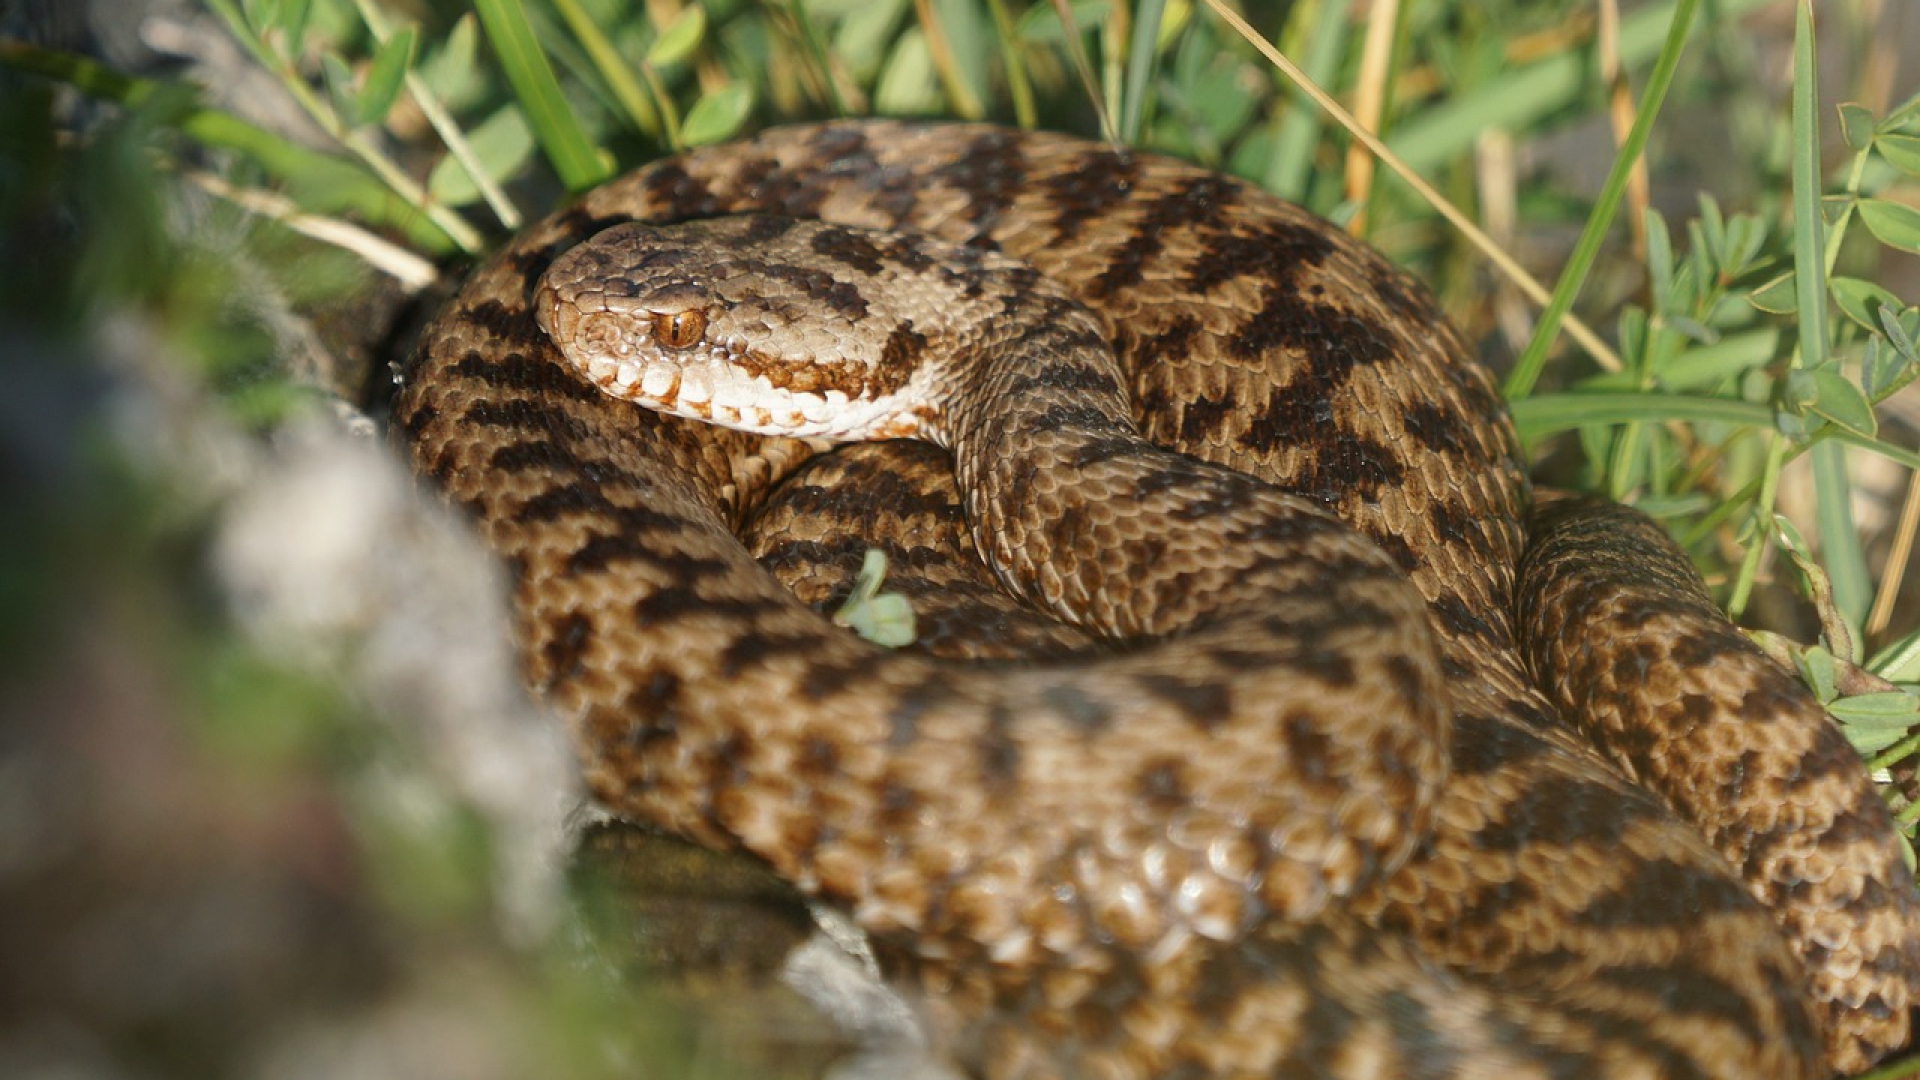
(1659, 259)
(1887, 708)
(1777, 297)
(1856, 123)
(262, 15)
(883, 618)
(907, 82)
(1746, 234)
(1713, 228)
(1867, 742)
(579, 162)
(679, 38)
(1837, 399)
(292, 24)
(1817, 669)
(1041, 23)
(717, 115)
(1899, 661)
(1894, 224)
(1799, 391)
(1890, 361)
(1873, 722)
(1901, 151)
(1861, 300)
(865, 33)
(339, 78)
(385, 78)
(1894, 325)
(501, 143)
(1903, 112)
(452, 71)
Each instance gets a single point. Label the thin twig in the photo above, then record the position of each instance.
(1369, 102)
(411, 271)
(1882, 612)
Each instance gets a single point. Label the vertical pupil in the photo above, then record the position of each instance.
(679, 329)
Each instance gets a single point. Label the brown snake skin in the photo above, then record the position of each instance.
(1260, 847)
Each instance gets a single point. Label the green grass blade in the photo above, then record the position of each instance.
(1841, 552)
(1550, 414)
(1840, 549)
(1140, 73)
(1019, 85)
(1527, 370)
(579, 164)
(620, 79)
(1291, 165)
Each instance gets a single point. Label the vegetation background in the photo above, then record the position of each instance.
(269, 802)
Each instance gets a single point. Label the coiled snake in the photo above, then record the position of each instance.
(1299, 808)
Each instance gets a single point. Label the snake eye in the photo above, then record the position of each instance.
(679, 329)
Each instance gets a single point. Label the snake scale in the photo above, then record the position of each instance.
(1364, 761)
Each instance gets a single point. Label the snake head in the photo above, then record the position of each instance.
(763, 324)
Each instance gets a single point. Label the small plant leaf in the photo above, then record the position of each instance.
(1894, 224)
(290, 27)
(1841, 402)
(340, 88)
(1875, 721)
(1901, 151)
(1777, 297)
(1893, 323)
(452, 70)
(385, 77)
(1659, 260)
(1713, 227)
(884, 618)
(1856, 123)
(1040, 25)
(501, 143)
(1898, 661)
(717, 115)
(1861, 300)
(1817, 669)
(1889, 361)
(261, 15)
(1884, 709)
(678, 40)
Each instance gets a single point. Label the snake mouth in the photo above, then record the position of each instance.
(709, 388)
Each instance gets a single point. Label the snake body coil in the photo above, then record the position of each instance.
(1316, 816)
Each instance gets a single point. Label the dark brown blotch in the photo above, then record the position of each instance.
(1087, 188)
(1564, 812)
(565, 646)
(992, 171)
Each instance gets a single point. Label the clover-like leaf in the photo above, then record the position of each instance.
(680, 37)
(1893, 224)
(1856, 123)
(1901, 151)
(385, 76)
(1861, 300)
(718, 114)
(1778, 296)
(883, 618)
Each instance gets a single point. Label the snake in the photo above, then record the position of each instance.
(1265, 720)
